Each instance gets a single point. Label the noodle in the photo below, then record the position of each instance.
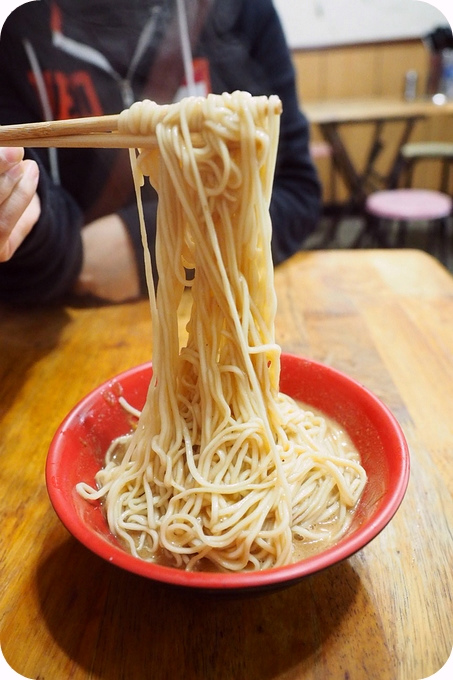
(222, 466)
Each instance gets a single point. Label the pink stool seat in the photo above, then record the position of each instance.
(409, 204)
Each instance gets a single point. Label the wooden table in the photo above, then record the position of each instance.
(383, 317)
(332, 115)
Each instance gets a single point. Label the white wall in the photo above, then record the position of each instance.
(318, 23)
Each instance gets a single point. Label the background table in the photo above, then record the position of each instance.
(332, 115)
(384, 318)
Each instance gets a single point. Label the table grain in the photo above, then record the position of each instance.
(383, 317)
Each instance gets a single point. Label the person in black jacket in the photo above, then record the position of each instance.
(76, 230)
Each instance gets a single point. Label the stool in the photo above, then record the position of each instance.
(428, 151)
(401, 207)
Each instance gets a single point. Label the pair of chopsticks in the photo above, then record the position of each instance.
(95, 131)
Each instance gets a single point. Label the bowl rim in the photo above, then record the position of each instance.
(215, 581)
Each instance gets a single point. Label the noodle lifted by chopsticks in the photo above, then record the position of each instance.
(221, 466)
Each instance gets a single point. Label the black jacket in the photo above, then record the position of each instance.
(243, 43)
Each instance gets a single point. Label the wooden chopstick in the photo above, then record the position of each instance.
(106, 140)
(57, 128)
(95, 131)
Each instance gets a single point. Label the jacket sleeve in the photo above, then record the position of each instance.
(48, 262)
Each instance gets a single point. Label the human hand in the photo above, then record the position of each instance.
(19, 203)
(109, 269)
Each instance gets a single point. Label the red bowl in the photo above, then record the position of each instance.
(77, 449)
